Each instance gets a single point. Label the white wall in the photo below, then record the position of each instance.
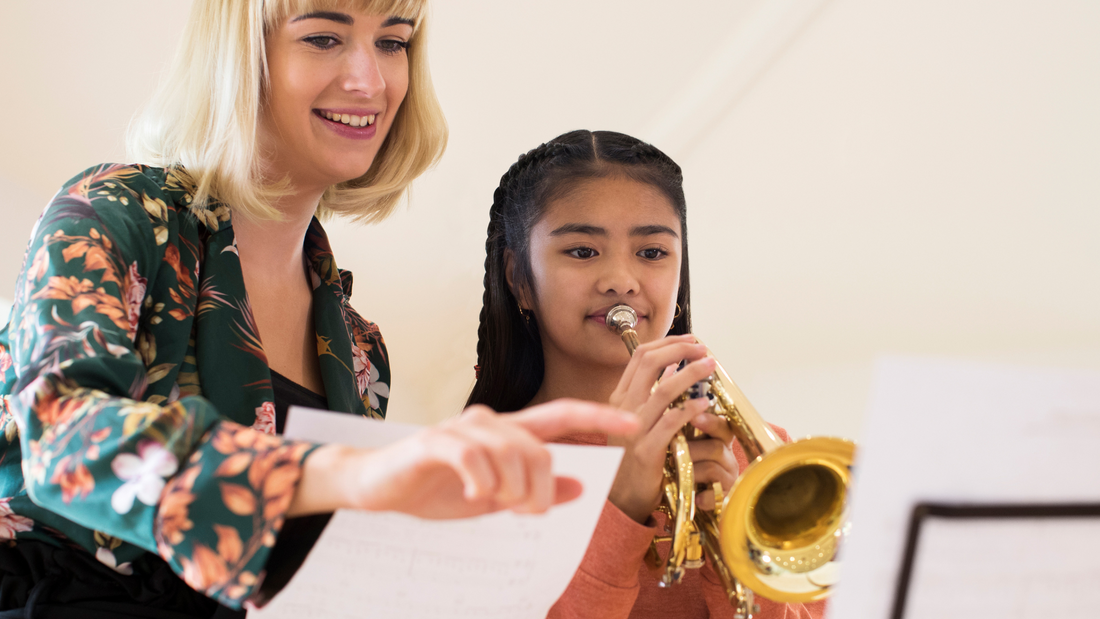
(906, 177)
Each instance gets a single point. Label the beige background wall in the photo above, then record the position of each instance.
(863, 178)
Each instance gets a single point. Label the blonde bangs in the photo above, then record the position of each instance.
(203, 117)
(275, 11)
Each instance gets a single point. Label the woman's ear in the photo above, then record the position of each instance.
(509, 275)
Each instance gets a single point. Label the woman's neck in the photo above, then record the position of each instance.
(274, 248)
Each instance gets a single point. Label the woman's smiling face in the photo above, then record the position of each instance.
(337, 80)
(609, 240)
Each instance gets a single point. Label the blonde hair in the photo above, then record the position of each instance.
(204, 114)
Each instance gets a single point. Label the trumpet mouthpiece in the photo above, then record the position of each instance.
(621, 317)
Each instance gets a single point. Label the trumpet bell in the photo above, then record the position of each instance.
(782, 522)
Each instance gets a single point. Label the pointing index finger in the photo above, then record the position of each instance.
(565, 416)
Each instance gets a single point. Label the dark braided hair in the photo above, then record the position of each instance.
(509, 350)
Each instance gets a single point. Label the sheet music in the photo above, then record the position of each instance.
(1043, 567)
(392, 565)
(951, 432)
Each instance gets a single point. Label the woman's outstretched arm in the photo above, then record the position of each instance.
(476, 463)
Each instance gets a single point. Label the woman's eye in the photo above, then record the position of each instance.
(582, 252)
(322, 41)
(393, 46)
(652, 253)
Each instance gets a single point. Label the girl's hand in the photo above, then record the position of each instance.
(476, 463)
(637, 487)
(713, 457)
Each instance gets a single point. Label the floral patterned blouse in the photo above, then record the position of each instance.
(136, 407)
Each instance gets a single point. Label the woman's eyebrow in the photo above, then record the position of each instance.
(650, 230)
(396, 21)
(340, 18)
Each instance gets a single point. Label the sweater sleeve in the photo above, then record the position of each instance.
(172, 477)
(606, 584)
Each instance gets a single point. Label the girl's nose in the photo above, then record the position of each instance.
(618, 278)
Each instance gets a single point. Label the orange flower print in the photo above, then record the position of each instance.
(174, 516)
(12, 523)
(205, 569)
(5, 360)
(53, 410)
(265, 418)
(75, 483)
(135, 295)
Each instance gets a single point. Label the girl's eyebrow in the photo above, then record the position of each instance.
(578, 229)
(598, 231)
(650, 230)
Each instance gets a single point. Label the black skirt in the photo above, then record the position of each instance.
(41, 581)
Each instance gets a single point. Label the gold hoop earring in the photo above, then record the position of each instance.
(678, 311)
(523, 312)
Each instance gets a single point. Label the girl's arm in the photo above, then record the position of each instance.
(606, 583)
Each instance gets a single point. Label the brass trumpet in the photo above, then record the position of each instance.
(778, 530)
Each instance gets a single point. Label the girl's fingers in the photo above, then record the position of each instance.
(705, 499)
(656, 440)
(651, 410)
(644, 349)
(708, 472)
(647, 365)
(715, 427)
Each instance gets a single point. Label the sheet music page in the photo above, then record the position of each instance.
(1043, 567)
(392, 565)
(951, 432)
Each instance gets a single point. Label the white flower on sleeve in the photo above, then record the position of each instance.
(376, 388)
(106, 557)
(366, 376)
(265, 418)
(144, 474)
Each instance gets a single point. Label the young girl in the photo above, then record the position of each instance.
(579, 224)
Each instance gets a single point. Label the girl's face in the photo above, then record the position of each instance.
(610, 240)
(337, 81)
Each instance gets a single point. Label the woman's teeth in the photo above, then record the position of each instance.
(350, 119)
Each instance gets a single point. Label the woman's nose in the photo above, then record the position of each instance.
(363, 74)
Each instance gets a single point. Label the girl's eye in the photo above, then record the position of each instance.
(322, 41)
(393, 46)
(583, 253)
(652, 253)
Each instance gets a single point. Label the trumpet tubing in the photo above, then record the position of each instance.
(778, 530)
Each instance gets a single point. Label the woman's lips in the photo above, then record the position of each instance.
(348, 131)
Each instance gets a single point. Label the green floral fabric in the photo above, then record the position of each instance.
(136, 405)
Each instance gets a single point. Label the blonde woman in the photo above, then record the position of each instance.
(168, 312)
